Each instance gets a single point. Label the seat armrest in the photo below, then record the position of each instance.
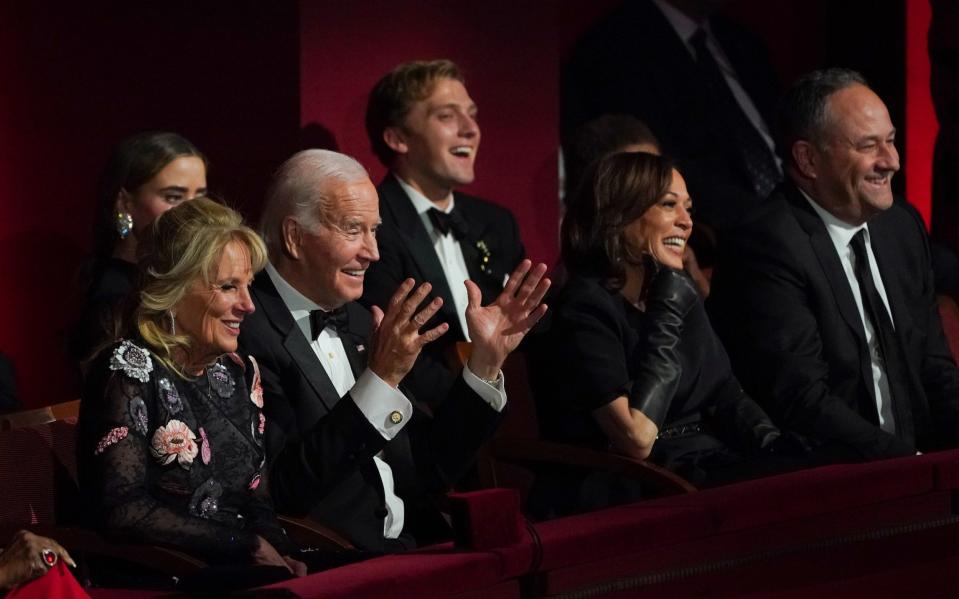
(531, 452)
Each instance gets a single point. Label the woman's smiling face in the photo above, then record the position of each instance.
(663, 230)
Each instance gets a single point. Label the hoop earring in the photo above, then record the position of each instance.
(172, 318)
(124, 224)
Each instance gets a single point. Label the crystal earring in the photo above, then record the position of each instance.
(124, 224)
(172, 318)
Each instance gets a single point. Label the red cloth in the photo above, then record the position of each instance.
(57, 583)
(486, 519)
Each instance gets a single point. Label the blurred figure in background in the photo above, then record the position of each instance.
(702, 84)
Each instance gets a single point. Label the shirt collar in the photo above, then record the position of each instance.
(421, 203)
(839, 231)
(294, 300)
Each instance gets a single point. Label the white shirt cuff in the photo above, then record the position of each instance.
(494, 395)
(386, 408)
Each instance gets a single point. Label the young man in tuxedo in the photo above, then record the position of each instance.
(422, 125)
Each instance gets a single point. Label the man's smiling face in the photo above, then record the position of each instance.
(438, 140)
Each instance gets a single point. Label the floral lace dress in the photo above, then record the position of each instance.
(177, 462)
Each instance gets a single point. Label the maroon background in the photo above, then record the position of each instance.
(251, 83)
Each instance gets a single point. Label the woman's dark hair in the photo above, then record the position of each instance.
(614, 192)
(134, 161)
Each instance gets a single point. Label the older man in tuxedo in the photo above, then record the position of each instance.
(345, 445)
(825, 298)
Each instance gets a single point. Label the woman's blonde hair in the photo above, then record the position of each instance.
(184, 244)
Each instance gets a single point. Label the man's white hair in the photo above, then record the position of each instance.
(300, 189)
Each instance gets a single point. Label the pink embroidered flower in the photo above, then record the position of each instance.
(175, 441)
(262, 425)
(205, 453)
(254, 483)
(111, 438)
(256, 394)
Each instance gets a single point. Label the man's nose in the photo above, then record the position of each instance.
(371, 250)
(889, 157)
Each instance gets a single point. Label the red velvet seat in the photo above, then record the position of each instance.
(810, 492)
(26, 473)
(619, 531)
(945, 465)
(895, 562)
(762, 515)
(423, 575)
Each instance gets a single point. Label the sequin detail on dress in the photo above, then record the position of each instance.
(175, 441)
(170, 396)
(220, 380)
(205, 502)
(205, 453)
(138, 414)
(112, 438)
(134, 361)
(257, 426)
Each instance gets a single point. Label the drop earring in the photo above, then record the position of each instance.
(124, 224)
(172, 318)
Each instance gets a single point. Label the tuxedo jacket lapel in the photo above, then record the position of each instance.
(825, 251)
(294, 342)
(891, 264)
(354, 341)
(399, 208)
(487, 281)
(492, 279)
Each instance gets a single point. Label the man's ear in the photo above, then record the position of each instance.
(394, 138)
(806, 158)
(292, 237)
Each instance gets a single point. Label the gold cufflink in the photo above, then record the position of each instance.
(396, 417)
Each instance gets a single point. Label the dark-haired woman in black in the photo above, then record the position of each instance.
(631, 363)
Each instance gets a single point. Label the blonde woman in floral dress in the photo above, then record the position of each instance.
(171, 448)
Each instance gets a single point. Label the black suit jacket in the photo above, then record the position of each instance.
(632, 62)
(784, 308)
(492, 249)
(320, 447)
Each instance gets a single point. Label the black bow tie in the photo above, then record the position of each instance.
(447, 222)
(335, 319)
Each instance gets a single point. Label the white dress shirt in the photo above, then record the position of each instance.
(447, 249)
(376, 399)
(841, 234)
(686, 28)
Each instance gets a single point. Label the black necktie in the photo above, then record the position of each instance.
(889, 350)
(449, 222)
(336, 319)
(757, 157)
